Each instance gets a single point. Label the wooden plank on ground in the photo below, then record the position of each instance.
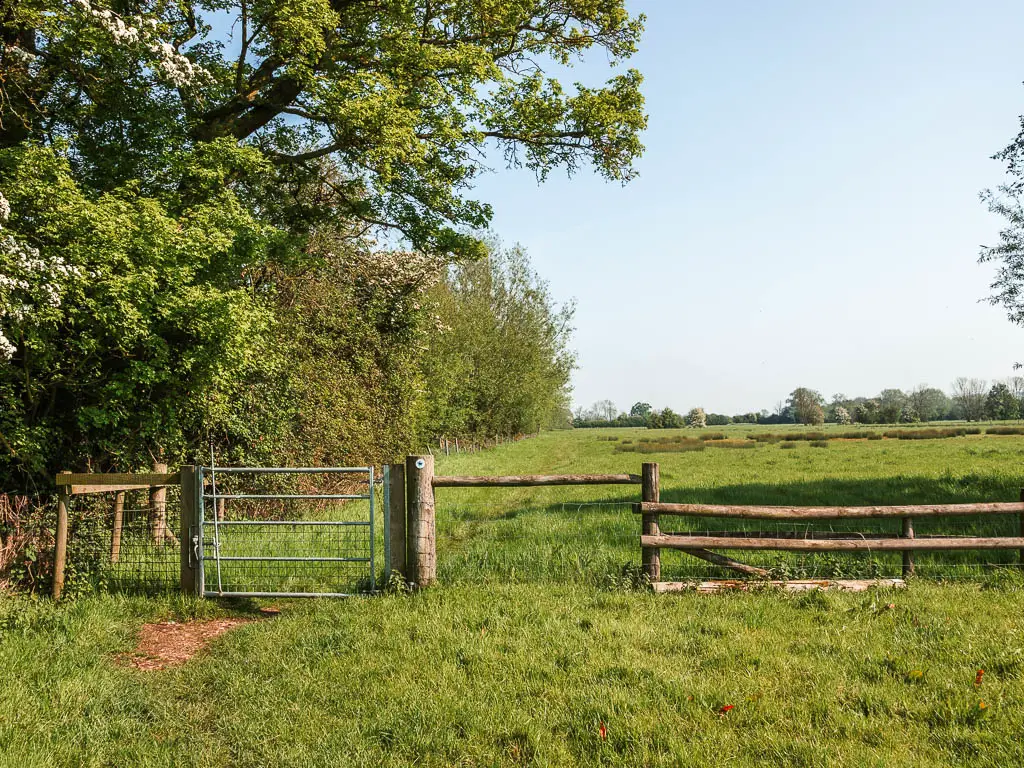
(827, 513)
(796, 585)
(519, 481)
(833, 545)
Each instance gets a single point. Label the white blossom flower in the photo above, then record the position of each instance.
(7, 349)
(29, 282)
(180, 70)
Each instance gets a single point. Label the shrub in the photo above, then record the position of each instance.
(696, 418)
(733, 444)
(843, 416)
(1005, 431)
(712, 436)
(819, 444)
(787, 444)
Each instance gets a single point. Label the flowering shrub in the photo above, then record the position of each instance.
(31, 286)
(843, 416)
(696, 418)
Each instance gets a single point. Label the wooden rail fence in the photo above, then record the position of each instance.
(652, 540)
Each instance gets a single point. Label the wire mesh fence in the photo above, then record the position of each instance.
(124, 541)
(599, 542)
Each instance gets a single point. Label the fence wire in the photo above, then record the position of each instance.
(124, 542)
(599, 542)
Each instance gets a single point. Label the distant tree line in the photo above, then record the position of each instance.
(969, 399)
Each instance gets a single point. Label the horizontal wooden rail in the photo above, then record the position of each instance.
(827, 513)
(829, 545)
(115, 481)
(517, 481)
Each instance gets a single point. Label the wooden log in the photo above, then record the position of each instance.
(421, 545)
(787, 534)
(115, 537)
(726, 562)
(126, 480)
(650, 490)
(519, 481)
(221, 508)
(797, 585)
(60, 551)
(190, 570)
(158, 507)
(830, 513)
(908, 555)
(397, 522)
(834, 545)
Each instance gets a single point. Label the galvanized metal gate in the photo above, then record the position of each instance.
(286, 532)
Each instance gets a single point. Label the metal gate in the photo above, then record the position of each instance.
(286, 532)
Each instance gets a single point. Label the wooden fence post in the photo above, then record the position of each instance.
(396, 501)
(158, 507)
(115, 539)
(422, 538)
(60, 553)
(190, 492)
(1020, 525)
(650, 490)
(908, 555)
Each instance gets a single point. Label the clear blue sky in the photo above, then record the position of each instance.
(807, 212)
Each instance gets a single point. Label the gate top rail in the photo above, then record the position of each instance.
(284, 470)
(516, 481)
(827, 513)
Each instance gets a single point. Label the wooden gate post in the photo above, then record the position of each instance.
(60, 551)
(1020, 524)
(191, 489)
(397, 524)
(650, 490)
(422, 537)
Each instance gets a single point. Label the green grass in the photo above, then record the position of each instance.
(528, 643)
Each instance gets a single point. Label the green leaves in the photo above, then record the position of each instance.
(401, 100)
(149, 347)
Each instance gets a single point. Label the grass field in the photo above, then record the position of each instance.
(532, 640)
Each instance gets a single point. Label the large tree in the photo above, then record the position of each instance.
(806, 405)
(928, 402)
(190, 185)
(383, 112)
(969, 397)
(1008, 252)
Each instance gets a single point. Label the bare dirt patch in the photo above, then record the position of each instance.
(172, 643)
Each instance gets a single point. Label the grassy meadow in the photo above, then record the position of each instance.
(538, 635)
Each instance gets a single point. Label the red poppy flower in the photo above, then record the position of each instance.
(603, 731)
(726, 708)
(977, 678)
